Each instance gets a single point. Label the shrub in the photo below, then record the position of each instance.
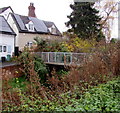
(49, 45)
(41, 69)
(79, 45)
(28, 60)
(72, 45)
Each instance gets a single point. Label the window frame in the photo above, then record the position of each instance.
(9, 48)
(31, 27)
(1, 48)
(4, 49)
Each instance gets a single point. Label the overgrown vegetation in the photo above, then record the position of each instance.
(83, 88)
(73, 45)
(28, 60)
(103, 98)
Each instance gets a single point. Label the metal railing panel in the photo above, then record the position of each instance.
(63, 57)
(51, 57)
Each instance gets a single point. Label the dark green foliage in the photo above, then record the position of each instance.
(113, 40)
(41, 43)
(29, 61)
(84, 21)
(19, 82)
(102, 98)
(41, 69)
(62, 72)
(49, 45)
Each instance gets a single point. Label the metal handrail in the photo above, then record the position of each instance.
(62, 57)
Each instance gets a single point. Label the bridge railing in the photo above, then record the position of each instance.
(62, 57)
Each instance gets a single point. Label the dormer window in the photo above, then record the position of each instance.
(31, 27)
(52, 29)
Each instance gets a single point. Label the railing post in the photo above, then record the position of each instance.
(42, 56)
(71, 58)
(64, 58)
(48, 57)
(55, 57)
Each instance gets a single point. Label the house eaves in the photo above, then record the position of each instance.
(5, 8)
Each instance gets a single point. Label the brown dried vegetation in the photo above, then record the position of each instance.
(100, 67)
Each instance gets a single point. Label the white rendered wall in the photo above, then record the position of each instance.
(8, 41)
(14, 27)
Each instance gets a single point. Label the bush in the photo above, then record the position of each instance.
(28, 60)
(41, 69)
(79, 45)
(72, 45)
(49, 45)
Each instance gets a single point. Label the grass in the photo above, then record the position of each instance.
(19, 82)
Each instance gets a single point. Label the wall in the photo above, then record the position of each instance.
(14, 27)
(24, 38)
(8, 41)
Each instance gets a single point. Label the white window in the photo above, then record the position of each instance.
(29, 44)
(53, 30)
(9, 49)
(31, 27)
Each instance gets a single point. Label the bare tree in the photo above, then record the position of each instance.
(108, 11)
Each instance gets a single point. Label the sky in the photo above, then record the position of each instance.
(48, 10)
(112, 23)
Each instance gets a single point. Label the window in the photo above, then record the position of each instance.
(53, 30)
(0, 48)
(31, 27)
(29, 44)
(4, 49)
(9, 49)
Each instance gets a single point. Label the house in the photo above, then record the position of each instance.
(29, 27)
(7, 39)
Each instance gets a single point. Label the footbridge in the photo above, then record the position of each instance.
(63, 58)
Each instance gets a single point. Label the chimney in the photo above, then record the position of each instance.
(31, 12)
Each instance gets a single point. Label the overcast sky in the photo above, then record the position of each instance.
(49, 10)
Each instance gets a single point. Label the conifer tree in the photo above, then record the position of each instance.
(84, 21)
